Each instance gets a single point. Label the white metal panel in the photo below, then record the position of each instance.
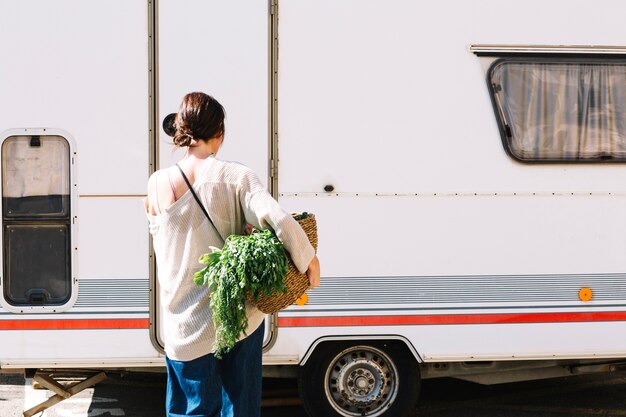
(220, 48)
(476, 342)
(387, 97)
(81, 66)
(112, 247)
(467, 234)
(96, 348)
(112, 238)
(387, 104)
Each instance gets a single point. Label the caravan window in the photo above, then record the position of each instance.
(36, 220)
(561, 110)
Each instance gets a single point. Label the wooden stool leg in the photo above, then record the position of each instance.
(62, 393)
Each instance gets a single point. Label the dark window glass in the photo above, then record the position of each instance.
(36, 220)
(561, 110)
(37, 262)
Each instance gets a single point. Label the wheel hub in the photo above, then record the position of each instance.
(361, 381)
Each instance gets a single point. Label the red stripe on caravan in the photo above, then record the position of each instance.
(321, 321)
(79, 324)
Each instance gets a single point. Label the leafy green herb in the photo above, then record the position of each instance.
(255, 265)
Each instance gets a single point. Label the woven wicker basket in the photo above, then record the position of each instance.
(295, 282)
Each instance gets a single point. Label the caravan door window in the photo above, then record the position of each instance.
(568, 110)
(36, 236)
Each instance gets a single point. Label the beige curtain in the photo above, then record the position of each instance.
(563, 111)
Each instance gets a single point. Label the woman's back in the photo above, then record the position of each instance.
(233, 196)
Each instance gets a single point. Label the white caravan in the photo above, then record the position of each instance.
(466, 162)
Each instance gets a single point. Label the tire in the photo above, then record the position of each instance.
(368, 379)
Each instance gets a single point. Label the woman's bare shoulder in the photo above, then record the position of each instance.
(158, 173)
(161, 191)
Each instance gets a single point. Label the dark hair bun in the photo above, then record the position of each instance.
(200, 117)
(182, 139)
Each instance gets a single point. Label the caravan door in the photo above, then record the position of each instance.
(220, 48)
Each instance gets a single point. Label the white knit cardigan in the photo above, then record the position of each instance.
(233, 195)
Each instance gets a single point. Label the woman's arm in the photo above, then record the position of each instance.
(263, 211)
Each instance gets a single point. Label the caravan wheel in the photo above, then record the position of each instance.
(371, 380)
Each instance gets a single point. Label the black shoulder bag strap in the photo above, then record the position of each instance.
(206, 213)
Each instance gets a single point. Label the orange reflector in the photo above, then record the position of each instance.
(302, 300)
(585, 294)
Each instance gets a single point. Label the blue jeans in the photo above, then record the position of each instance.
(210, 387)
